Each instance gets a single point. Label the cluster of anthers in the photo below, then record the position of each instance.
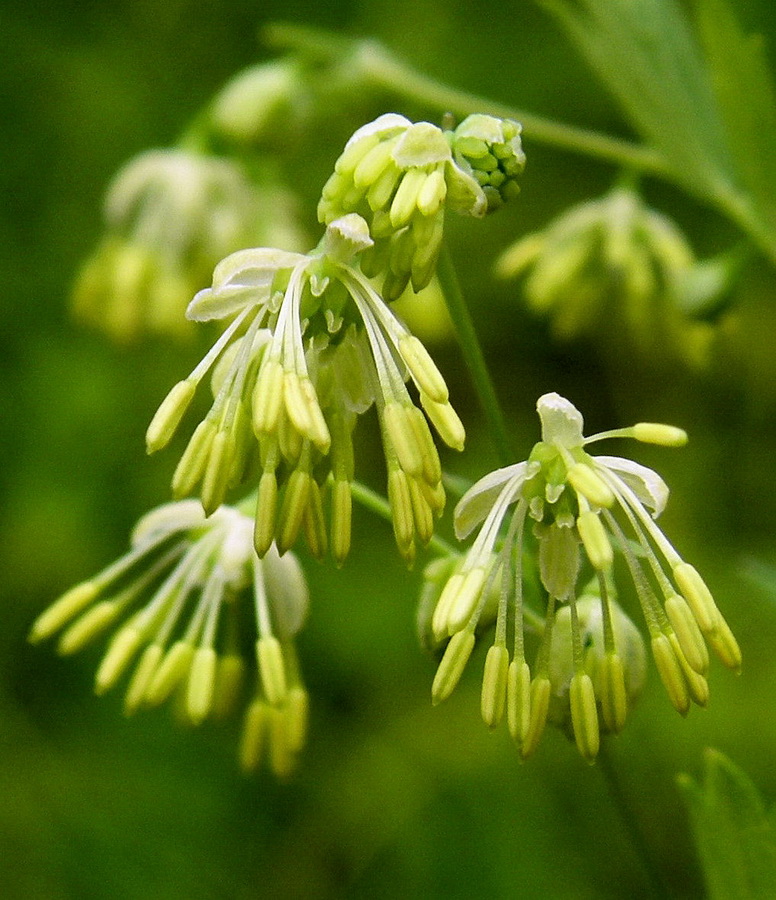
(193, 602)
(588, 658)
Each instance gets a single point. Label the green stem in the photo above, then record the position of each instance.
(472, 353)
(377, 504)
(377, 65)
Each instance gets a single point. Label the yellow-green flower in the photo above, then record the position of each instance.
(185, 604)
(583, 509)
(310, 347)
(613, 266)
(171, 215)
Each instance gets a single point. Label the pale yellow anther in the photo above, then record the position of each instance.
(230, 675)
(272, 669)
(432, 194)
(421, 512)
(671, 673)
(613, 694)
(494, 685)
(596, 542)
(172, 670)
(319, 430)
(88, 626)
(688, 633)
(697, 686)
(292, 511)
(401, 509)
(217, 472)
(592, 487)
(724, 644)
(120, 652)
(518, 700)
(584, 715)
(655, 433)
(432, 468)
(445, 604)
(63, 610)
(401, 434)
(268, 396)
(446, 421)
(451, 666)
(372, 165)
(201, 685)
(254, 735)
(192, 464)
(423, 369)
(296, 404)
(540, 705)
(341, 514)
(282, 758)
(314, 522)
(167, 418)
(141, 677)
(297, 711)
(352, 155)
(698, 596)
(466, 599)
(266, 509)
(406, 198)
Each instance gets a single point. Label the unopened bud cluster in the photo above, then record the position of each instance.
(184, 603)
(581, 509)
(401, 176)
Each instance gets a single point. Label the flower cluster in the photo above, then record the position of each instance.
(311, 345)
(195, 608)
(597, 505)
(171, 215)
(400, 176)
(615, 263)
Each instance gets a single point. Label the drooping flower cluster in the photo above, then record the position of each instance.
(196, 610)
(615, 264)
(401, 176)
(580, 505)
(171, 215)
(311, 346)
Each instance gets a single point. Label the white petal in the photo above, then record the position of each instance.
(209, 304)
(464, 193)
(645, 483)
(476, 503)
(561, 421)
(422, 144)
(382, 125)
(255, 267)
(287, 592)
(167, 519)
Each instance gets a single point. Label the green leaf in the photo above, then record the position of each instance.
(645, 54)
(736, 841)
(745, 94)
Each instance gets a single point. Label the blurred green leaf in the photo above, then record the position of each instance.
(744, 89)
(735, 839)
(646, 56)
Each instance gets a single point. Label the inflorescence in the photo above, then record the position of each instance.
(579, 505)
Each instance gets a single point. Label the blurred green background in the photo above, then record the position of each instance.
(393, 798)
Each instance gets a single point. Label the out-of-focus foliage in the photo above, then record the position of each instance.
(392, 798)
